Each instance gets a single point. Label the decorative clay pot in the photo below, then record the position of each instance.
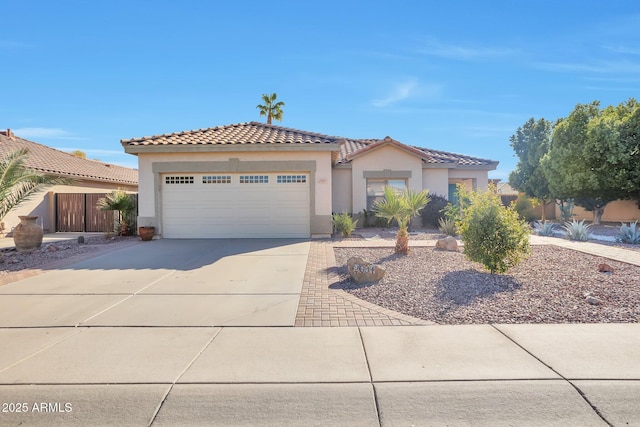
(27, 235)
(146, 233)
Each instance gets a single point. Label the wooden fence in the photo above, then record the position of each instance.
(77, 212)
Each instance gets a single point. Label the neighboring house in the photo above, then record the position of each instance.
(89, 176)
(259, 180)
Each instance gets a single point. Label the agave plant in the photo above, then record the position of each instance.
(577, 230)
(448, 226)
(629, 233)
(544, 228)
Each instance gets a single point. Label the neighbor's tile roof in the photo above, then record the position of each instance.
(51, 161)
(239, 133)
(352, 147)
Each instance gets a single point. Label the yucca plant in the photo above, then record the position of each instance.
(629, 233)
(401, 206)
(544, 228)
(344, 224)
(124, 204)
(448, 226)
(577, 230)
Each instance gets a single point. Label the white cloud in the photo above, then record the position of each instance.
(45, 133)
(433, 47)
(407, 89)
(604, 67)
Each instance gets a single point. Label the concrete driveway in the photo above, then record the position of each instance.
(221, 282)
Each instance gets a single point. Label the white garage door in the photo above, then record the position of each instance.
(213, 205)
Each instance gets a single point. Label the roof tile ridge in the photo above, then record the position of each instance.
(182, 132)
(465, 156)
(290, 129)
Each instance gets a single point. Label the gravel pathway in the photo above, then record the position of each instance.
(554, 285)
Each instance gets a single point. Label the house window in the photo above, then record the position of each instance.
(254, 179)
(216, 179)
(375, 189)
(291, 179)
(178, 180)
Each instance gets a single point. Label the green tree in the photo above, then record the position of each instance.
(79, 154)
(123, 203)
(530, 143)
(566, 165)
(401, 207)
(594, 156)
(493, 234)
(271, 109)
(18, 182)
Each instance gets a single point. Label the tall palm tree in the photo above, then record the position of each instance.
(271, 109)
(401, 206)
(18, 182)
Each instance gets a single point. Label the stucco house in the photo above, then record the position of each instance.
(258, 180)
(90, 177)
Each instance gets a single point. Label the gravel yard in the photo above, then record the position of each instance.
(551, 286)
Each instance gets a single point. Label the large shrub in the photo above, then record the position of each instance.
(433, 212)
(524, 206)
(493, 234)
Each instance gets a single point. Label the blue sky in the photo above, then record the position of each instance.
(458, 76)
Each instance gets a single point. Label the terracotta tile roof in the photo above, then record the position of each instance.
(354, 147)
(239, 133)
(55, 162)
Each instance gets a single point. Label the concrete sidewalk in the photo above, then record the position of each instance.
(371, 376)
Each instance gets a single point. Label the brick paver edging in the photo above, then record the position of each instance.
(322, 306)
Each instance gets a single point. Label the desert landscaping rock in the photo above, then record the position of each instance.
(605, 268)
(362, 271)
(448, 243)
(548, 287)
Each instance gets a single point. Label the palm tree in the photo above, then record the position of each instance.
(401, 207)
(271, 109)
(18, 183)
(124, 204)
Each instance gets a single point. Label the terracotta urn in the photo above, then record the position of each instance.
(27, 235)
(146, 233)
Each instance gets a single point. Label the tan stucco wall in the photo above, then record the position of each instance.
(436, 181)
(341, 190)
(480, 177)
(321, 186)
(384, 158)
(39, 204)
(617, 211)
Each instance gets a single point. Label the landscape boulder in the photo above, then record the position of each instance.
(449, 243)
(362, 271)
(605, 268)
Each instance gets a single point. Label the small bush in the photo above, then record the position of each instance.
(433, 212)
(629, 233)
(447, 226)
(493, 234)
(544, 228)
(344, 224)
(577, 230)
(524, 206)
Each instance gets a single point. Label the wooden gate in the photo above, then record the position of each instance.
(77, 212)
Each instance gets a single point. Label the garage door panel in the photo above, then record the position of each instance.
(229, 208)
